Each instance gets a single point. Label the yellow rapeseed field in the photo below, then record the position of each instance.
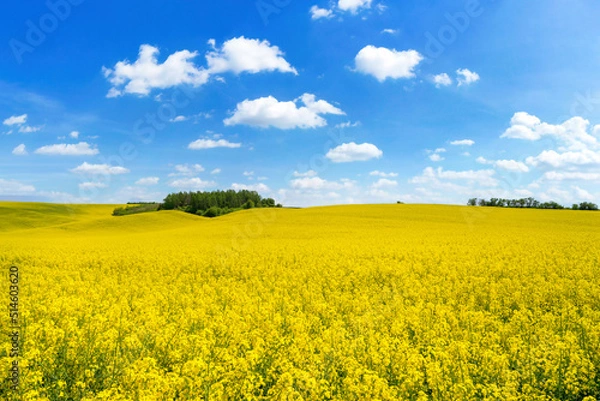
(390, 302)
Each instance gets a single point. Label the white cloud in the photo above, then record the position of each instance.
(216, 171)
(99, 169)
(508, 165)
(571, 176)
(260, 188)
(463, 142)
(147, 181)
(16, 120)
(74, 134)
(552, 158)
(309, 173)
(12, 187)
(92, 185)
(378, 173)
(390, 31)
(318, 13)
(146, 74)
(192, 184)
(268, 112)
(353, 6)
(573, 133)
(442, 80)
(63, 149)
(178, 119)
(352, 152)
(480, 177)
(436, 157)
(348, 124)
(319, 106)
(20, 150)
(511, 165)
(27, 129)
(187, 169)
(247, 55)
(525, 119)
(211, 144)
(318, 184)
(466, 77)
(582, 194)
(384, 183)
(383, 63)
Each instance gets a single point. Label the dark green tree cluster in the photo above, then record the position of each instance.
(527, 203)
(216, 203)
(585, 206)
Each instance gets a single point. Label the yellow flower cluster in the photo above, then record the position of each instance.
(390, 302)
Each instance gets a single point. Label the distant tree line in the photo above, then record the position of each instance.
(216, 203)
(528, 203)
(135, 208)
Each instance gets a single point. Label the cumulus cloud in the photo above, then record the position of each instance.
(192, 184)
(571, 176)
(378, 173)
(435, 155)
(187, 169)
(74, 134)
(240, 55)
(20, 150)
(348, 124)
(216, 171)
(353, 6)
(552, 158)
(508, 165)
(12, 187)
(92, 185)
(260, 188)
(383, 63)
(309, 173)
(352, 152)
(573, 133)
(16, 120)
(317, 184)
(99, 169)
(479, 177)
(146, 73)
(212, 144)
(147, 181)
(268, 112)
(466, 77)
(384, 183)
(318, 13)
(390, 31)
(27, 129)
(442, 80)
(63, 149)
(463, 142)
(237, 55)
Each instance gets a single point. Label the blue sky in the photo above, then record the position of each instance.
(312, 103)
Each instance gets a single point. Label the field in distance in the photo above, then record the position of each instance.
(387, 302)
